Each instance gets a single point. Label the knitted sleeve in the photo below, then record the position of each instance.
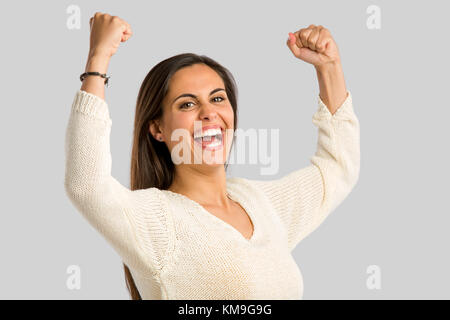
(305, 197)
(135, 223)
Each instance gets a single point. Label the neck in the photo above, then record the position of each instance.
(207, 186)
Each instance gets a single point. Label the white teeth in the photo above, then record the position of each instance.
(208, 134)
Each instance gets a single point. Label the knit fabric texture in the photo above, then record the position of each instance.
(175, 248)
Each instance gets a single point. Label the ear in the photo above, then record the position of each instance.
(154, 128)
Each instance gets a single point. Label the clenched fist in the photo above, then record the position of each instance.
(107, 32)
(314, 45)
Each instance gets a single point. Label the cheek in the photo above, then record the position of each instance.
(229, 117)
(182, 120)
(179, 125)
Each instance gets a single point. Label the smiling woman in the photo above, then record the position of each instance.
(185, 230)
(202, 107)
(152, 166)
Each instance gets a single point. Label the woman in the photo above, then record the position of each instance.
(184, 230)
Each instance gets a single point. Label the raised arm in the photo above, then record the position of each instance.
(106, 34)
(136, 222)
(305, 197)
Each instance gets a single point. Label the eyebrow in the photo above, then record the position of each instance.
(194, 96)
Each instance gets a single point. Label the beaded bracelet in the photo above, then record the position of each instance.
(95, 73)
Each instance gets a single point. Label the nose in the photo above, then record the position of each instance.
(208, 112)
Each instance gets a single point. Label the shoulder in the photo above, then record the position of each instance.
(149, 200)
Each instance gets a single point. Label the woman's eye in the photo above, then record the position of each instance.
(220, 98)
(185, 105)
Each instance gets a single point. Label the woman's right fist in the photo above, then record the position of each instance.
(106, 34)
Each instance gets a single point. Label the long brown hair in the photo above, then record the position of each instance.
(151, 162)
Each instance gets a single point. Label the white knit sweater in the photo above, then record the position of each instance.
(175, 248)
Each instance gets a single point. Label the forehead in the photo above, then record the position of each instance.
(195, 79)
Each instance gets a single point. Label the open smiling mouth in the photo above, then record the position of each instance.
(211, 139)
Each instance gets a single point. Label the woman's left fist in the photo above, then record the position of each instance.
(314, 45)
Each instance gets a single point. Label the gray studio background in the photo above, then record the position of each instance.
(396, 218)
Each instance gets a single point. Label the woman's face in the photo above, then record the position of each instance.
(197, 99)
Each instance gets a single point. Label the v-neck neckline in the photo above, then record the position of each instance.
(233, 195)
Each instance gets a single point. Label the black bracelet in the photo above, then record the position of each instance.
(95, 73)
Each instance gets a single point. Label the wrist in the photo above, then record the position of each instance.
(329, 67)
(97, 63)
(99, 53)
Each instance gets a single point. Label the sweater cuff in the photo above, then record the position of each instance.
(344, 112)
(91, 105)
